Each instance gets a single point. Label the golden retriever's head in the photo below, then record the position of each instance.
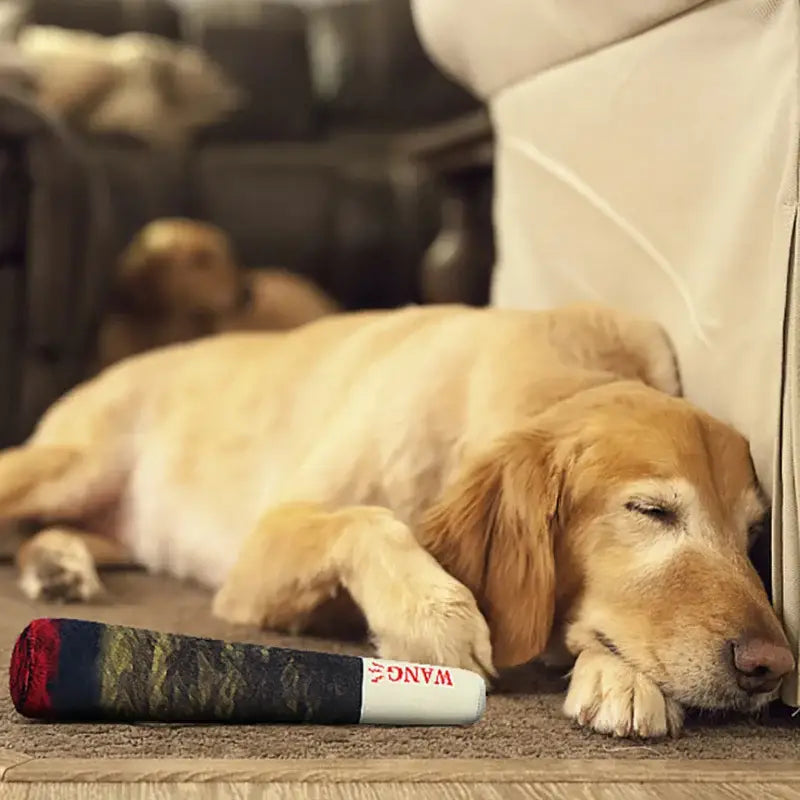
(621, 518)
(180, 266)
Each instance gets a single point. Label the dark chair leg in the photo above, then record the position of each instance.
(457, 266)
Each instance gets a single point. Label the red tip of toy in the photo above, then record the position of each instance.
(34, 661)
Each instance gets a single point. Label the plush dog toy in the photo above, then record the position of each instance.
(64, 669)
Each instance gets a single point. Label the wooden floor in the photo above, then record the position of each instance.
(394, 791)
(24, 778)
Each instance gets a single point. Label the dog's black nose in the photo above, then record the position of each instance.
(759, 664)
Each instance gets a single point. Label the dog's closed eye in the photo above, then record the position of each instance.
(655, 510)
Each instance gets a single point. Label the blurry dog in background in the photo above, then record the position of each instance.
(179, 280)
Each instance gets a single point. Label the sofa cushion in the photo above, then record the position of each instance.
(13, 201)
(341, 212)
(261, 46)
(108, 17)
(11, 287)
(274, 201)
(43, 379)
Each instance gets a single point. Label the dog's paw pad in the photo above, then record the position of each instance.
(60, 571)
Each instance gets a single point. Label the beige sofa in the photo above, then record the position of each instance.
(647, 157)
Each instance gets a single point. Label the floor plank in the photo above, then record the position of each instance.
(8, 759)
(553, 771)
(397, 791)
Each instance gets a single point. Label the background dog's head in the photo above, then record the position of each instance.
(621, 519)
(181, 267)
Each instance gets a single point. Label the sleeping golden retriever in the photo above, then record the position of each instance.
(178, 280)
(485, 487)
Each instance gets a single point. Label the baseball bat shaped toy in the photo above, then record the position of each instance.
(65, 669)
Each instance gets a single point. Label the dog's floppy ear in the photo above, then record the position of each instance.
(493, 530)
(135, 284)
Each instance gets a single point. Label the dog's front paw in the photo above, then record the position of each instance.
(441, 626)
(58, 567)
(608, 696)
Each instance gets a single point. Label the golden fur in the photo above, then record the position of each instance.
(483, 487)
(178, 280)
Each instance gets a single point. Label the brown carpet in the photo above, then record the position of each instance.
(523, 721)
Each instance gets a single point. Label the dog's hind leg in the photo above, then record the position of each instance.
(48, 483)
(54, 482)
(75, 463)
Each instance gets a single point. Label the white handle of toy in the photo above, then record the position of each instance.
(400, 693)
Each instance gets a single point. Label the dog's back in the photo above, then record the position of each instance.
(365, 408)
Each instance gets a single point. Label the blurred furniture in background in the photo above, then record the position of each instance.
(309, 175)
(457, 267)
